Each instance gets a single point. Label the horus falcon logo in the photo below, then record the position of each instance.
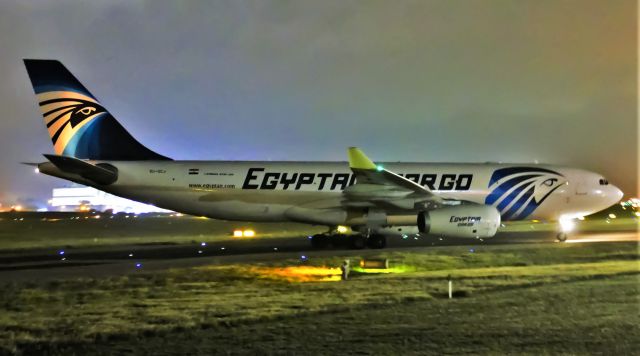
(517, 191)
(67, 114)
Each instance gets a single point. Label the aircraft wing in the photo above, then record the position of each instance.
(382, 188)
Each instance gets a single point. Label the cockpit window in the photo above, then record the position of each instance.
(603, 181)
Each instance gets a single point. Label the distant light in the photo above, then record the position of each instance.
(275, 249)
(581, 218)
(63, 259)
(222, 248)
(43, 210)
(37, 170)
(199, 251)
(131, 255)
(612, 216)
(248, 233)
(97, 216)
(379, 168)
(179, 215)
(237, 233)
(138, 265)
(342, 229)
(303, 257)
(203, 244)
(472, 250)
(61, 252)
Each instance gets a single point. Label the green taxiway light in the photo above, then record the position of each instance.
(401, 269)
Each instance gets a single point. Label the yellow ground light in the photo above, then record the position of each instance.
(299, 273)
(315, 273)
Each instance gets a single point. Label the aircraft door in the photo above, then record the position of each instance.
(581, 188)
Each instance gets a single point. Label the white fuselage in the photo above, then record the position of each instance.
(268, 191)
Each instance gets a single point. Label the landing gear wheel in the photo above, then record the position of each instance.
(377, 241)
(561, 236)
(320, 241)
(357, 242)
(339, 240)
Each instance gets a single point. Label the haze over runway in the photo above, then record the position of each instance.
(523, 81)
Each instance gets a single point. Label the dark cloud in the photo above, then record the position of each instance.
(552, 81)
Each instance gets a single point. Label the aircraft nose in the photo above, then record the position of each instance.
(614, 194)
(617, 193)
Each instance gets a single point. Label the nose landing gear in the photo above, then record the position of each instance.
(561, 236)
(565, 225)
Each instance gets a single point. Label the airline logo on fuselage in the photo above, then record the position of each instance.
(260, 178)
(517, 191)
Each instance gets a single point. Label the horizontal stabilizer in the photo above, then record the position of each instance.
(101, 173)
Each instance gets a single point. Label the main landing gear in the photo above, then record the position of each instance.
(355, 241)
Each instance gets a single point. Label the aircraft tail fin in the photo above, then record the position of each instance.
(79, 126)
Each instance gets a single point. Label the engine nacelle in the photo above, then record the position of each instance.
(460, 221)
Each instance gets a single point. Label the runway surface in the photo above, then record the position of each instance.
(42, 265)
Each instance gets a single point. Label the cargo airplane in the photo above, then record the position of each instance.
(375, 200)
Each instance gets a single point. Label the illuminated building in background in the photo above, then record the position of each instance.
(633, 203)
(81, 198)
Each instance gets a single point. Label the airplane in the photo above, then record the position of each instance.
(374, 200)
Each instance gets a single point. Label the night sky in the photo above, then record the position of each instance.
(460, 81)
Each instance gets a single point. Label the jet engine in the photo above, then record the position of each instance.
(460, 221)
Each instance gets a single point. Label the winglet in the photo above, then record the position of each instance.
(358, 160)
